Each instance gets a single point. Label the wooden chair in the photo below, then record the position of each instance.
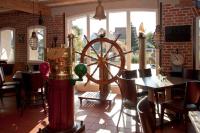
(189, 73)
(7, 90)
(34, 90)
(182, 106)
(147, 73)
(146, 112)
(129, 97)
(179, 91)
(3, 78)
(131, 74)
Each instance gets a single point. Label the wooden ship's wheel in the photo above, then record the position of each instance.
(105, 60)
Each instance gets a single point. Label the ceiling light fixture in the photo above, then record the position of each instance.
(33, 41)
(99, 14)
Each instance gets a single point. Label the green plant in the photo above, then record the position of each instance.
(135, 59)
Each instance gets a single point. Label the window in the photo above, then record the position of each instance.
(149, 21)
(78, 26)
(37, 55)
(95, 26)
(118, 26)
(123, 23)
(7, 45)
(79, 29)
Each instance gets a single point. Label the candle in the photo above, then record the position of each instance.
(141, 29)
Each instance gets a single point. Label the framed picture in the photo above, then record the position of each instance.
(21, 38)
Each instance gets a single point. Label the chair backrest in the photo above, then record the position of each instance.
(145, 72)
(2, 74)
(128, 90)
(146, 112)
(32, 81)
(8, 69)
(192, 92)
(1, 81)
(189, 73)
(128, 74)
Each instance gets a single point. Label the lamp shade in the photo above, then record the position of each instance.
(33, 42)
(99, 14)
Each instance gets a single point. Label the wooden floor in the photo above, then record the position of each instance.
(97, 117)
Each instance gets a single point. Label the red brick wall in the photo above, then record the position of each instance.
(21, 21)
(172, 16)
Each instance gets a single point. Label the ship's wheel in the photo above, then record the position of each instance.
(106, 60)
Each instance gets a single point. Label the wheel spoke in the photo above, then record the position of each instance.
(119, 55)
(95, 51)
(128, 52)
(109, 71)
(91, 75)
(91, 57)
(94, 70)
(117, 82)
(101, 48)
(87, 55)
(113, 57)
(108, 51)
(114, 65)
(86, 82)
(92, 64)
(117, 37)
(78, 52)
(86, 39)
(111, 74)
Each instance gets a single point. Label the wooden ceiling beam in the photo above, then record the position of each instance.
(69, 2)
(25, 6)
(73, 2)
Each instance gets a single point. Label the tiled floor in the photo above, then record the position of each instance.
(97, 117)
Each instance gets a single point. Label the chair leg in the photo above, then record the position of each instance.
(121, 110)
(22, 107)
(1, 97)
(43, 101)
(161, 116)
(157, 104)
(137, 122)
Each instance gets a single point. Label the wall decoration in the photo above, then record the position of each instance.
(21, 38)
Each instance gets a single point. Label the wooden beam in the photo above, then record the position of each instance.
(73, 2)
(25, 6)
(69, 2)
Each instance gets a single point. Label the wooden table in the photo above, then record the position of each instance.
(195, 119)
(96, 96)
(155, 83)
(18, 77)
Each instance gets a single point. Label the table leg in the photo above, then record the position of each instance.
(150, 95)
(168, 94)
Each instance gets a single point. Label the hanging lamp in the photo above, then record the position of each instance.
(99, 14)
(33, 41)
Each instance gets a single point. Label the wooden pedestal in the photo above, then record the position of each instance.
(61, 108)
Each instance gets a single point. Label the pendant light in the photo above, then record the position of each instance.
(33, 41)
(99, 14)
